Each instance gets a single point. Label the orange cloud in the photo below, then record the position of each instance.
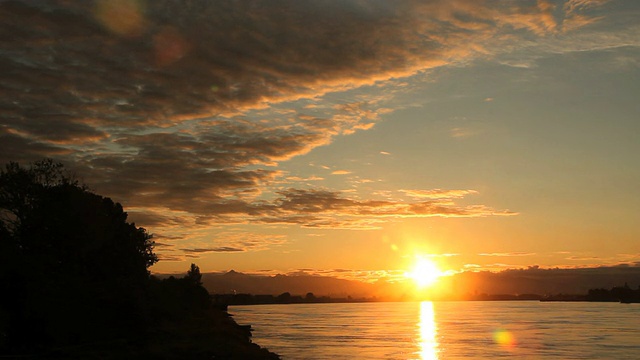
(507, 254)
(439, 193)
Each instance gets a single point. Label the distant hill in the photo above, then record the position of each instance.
(532, 280)
(535, 280)
(232, 281)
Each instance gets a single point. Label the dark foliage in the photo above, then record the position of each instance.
(65, 253)
(74, 280)
(623, 294)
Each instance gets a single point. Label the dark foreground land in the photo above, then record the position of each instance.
(174, 318)
(74, 281)
(178, 321)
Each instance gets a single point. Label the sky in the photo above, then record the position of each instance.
(340, 137)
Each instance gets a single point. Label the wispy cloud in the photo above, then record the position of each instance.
(572, 6)
(217, 249)
(462, 132)
(299, 179)
(582, 258)
(439, 193)
(321, 208)
(199, 242)
(507, 254)
(340, 172)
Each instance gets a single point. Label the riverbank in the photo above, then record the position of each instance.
(216, 335)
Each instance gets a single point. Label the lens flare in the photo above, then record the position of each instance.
(122, 17)
(504, 338)
(170, 46)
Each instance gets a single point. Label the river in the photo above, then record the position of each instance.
(446, 330)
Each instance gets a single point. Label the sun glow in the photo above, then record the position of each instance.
(424, 273)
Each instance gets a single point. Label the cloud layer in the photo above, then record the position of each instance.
(183, 110)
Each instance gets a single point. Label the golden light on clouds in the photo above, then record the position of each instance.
(341, 172)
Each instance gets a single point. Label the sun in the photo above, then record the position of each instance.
(424, 273)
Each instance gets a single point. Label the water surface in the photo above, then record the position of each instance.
(446, 330)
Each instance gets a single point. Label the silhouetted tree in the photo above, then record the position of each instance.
(622, 293)
(600, 295)
(284, 298)
(193, 275)
(66, 252)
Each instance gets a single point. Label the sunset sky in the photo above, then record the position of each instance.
(343, 137)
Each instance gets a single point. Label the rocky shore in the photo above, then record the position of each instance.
(213, 336)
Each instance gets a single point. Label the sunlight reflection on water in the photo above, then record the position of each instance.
(428, 331)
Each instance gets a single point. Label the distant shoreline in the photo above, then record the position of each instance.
(225, 300)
